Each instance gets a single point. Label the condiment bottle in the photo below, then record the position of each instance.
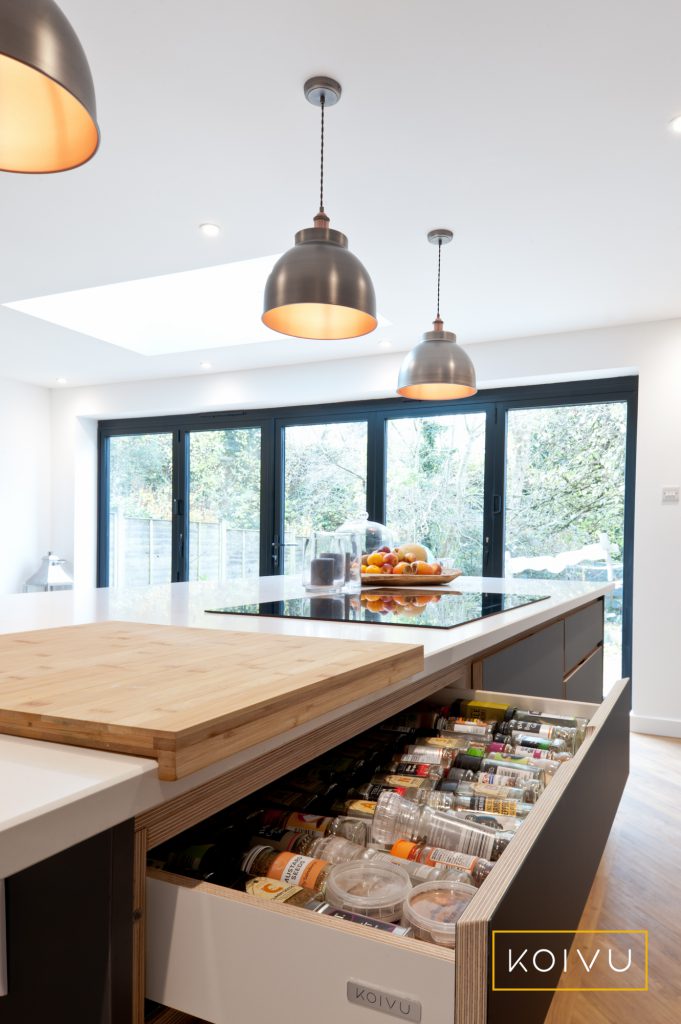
(417, 872)
(397, 818)
(475, 868)
(279, 892)
(514, 808)
(355, 808)
(293, 868)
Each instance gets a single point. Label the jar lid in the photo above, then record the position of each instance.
(434, 908)
(403, 848)
(375, 890)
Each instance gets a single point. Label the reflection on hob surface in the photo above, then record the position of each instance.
(430, 608)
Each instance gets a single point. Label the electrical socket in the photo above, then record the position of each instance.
(670, 495)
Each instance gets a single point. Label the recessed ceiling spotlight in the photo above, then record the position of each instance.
(210, 230)
(384, 343)
(205, 366)
(61, 380)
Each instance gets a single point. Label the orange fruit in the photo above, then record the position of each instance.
(375, 559)
(373, 568)
(437, 568)
(423, 568)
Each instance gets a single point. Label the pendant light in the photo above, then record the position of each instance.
(319, 289)
(438, 369)
(48, 118)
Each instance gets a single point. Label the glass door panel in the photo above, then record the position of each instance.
(564, 513)
(224, 504)
(140, 509)
(435, 484)
(325, 481)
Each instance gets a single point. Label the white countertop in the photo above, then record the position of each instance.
(53, 796)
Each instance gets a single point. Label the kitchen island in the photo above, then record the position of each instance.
(66, 810)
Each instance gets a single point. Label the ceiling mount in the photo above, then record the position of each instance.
(440, 235)
(320, 87)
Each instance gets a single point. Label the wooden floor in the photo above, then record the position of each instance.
(638, 885)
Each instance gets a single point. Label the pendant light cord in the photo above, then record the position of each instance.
(321, 172)
(439, 257)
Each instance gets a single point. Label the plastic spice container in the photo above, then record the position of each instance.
(432, 910)
(364, 887)
(336, 850)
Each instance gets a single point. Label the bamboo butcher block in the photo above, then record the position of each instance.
(187, 697)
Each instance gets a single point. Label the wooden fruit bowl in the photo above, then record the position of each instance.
(388, 579)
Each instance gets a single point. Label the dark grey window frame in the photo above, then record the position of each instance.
(495, 403)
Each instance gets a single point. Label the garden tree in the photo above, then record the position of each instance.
(435, 484)
(325, 476)
(565, 478)
(224, 468)
(141, 475)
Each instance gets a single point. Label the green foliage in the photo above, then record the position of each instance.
(435, 485)
(565, 478)
(325, 475)
(140, 475)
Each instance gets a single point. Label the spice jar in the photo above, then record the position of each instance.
(397, 818)
(369, 888)
(336, 849)
(475, 868)
(417, 872)
(278, 892)
(432, 910)
(293, 868)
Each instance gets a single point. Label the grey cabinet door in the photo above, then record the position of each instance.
(583, 632)
(586, 682)
(533, 666)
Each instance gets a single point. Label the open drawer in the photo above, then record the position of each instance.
(224, 956)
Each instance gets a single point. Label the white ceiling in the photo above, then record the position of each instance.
(537, 131)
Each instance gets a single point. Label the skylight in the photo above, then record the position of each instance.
(213, 307)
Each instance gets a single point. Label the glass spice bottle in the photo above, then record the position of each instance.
(292, 868)
(476, 869)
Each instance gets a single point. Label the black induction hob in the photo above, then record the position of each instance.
(430, 608)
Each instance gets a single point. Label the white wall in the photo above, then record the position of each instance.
(653, 350)
(25, 465)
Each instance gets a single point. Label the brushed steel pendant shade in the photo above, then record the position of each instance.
(437, 369)
(319, 289)
(48, 114)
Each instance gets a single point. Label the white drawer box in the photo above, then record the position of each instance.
(229, 958)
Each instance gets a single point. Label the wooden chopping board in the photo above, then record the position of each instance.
(187, 697)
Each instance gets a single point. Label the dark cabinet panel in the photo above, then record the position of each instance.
(533, 666)
(586, 682)
(69, 935)
(583, 632)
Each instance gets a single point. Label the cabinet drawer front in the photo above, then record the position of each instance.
(583, 632)
(586, 681)
(532, 667)
(542, 880)
(225, 957)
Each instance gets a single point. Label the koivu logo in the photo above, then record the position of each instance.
(544, 961)
(400, 1006)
